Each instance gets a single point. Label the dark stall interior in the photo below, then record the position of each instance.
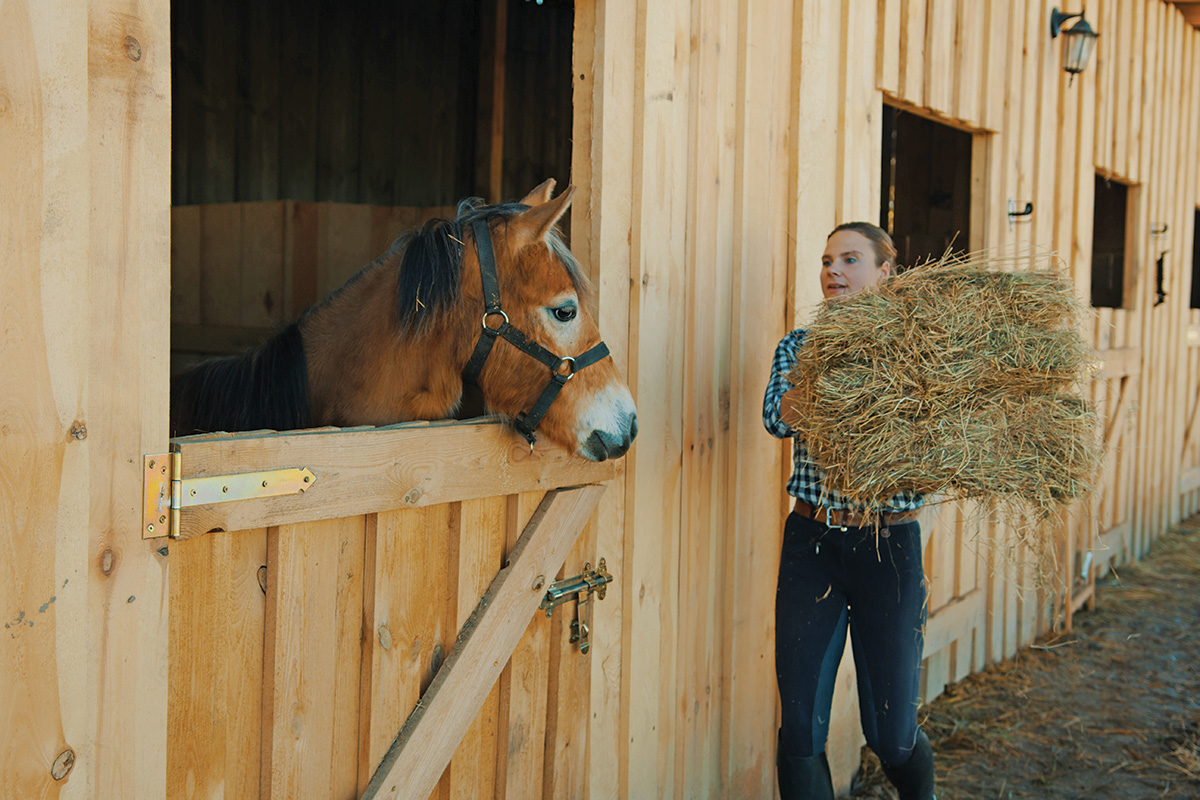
(307, 135)
(925, 194)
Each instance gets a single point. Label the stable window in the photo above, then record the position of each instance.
(1196, 261)
(1112, 263)
(926, 186)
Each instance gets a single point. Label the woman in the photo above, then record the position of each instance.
(839, 571)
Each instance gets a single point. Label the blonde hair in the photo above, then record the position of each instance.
(881, 243)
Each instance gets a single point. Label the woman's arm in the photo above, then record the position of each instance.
(781, 365)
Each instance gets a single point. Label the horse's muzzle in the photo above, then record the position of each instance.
(603, 445)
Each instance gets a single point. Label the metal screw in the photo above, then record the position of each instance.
(264, 484)
(150, 528)
(193, 493)
(151, 460)
(539, 582)
(224, 490)
(307, 479)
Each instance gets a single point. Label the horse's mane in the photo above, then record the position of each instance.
(266, 387)
(431, 268)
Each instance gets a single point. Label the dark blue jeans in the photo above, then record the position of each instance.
(832, 580)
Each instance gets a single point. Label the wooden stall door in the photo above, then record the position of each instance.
(303, 640)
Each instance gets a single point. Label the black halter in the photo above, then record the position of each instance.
(561, 367)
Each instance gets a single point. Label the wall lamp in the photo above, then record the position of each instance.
(1079, 44)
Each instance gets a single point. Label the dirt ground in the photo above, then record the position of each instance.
(1108, 710)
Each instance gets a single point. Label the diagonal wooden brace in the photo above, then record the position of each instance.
(417, 758)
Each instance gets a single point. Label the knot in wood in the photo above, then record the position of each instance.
(63, 764)
(133, 48)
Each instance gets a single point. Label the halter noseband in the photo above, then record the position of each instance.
(525, 423)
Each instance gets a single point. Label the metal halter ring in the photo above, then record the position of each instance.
(487, 314)
(569, 363)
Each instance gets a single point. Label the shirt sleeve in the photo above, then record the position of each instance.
(781, 365)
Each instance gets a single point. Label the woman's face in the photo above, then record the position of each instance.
(848, 264)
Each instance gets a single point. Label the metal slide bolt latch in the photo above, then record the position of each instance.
(581, 588)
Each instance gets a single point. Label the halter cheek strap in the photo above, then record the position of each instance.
(561, 367)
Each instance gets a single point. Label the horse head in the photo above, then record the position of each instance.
(547, 366)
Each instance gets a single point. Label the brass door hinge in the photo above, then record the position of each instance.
(165, 492)
(581, 588)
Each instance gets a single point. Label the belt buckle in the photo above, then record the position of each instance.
(829, 519)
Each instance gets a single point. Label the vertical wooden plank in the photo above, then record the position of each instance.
(301, 241)
(709, 244)
(760, 316)
(410, 601)
(214, 718)
(939, 55)
(45, 565)
(312, 659)
(967, 74)
(1136, 65)
(220, 263)
(887, 46)
(995, 62)
(339, 91)
(298, 103)
(657, 354)
(523, 685)
(128, 53)
(1124, 44)
(601, 231)
(215, 182)
(185, 264)
(482, 535)
(912, 50)
(814, 177)
(860, 119)
(381, 106)
(259, 86)
(343, 244)
(261, 262)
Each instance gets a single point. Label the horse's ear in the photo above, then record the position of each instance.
(539, 194)
(535, 223)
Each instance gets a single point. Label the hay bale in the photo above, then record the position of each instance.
(953, 379)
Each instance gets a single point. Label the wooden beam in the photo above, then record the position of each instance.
(1189, 481)
(414, 763)
(954, 620)
(364, 471)
(1119, 361)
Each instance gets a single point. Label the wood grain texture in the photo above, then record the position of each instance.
(128, 300)
(45, 664)
(312, 657)
(378, 469)
(214, 712)
(425, 745)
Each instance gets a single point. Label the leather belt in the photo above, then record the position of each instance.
(844, 518)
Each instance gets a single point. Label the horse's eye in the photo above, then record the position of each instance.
(564, 313)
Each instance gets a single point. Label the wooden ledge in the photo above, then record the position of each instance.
(367, 470)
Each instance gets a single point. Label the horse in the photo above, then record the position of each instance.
(490, 298)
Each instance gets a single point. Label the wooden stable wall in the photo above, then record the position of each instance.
(307, 630)
(84, 231)
(718, 142)
(239, 271)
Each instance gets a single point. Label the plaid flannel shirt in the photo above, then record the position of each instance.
(807, 481)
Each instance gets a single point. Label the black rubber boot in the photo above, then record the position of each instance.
(914, 778)
(804, 778)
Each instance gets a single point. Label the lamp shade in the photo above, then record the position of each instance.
(1079, 42)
